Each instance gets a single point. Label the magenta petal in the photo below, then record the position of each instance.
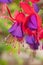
(32, 23)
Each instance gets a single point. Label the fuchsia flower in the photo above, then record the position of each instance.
(31, 13)
(26, 26)
(16, 29)
(35, 18)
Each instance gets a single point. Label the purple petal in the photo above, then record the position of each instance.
(13, 28)
(29, 39)
(32, 23)
(36, 8)
(32, 42)
(34, 46)
(16, 30)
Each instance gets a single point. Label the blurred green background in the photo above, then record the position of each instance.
(5, 50)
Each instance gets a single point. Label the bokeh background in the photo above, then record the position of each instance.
(8, 52)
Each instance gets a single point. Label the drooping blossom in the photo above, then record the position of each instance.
(34, 20)
(30, 11)
(27, 27)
